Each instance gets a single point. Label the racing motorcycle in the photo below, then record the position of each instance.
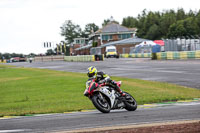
(105, 98)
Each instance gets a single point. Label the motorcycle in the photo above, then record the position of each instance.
(105, 98)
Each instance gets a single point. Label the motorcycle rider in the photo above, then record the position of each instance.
(101, 77)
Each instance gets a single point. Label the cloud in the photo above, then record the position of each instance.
(26, 24)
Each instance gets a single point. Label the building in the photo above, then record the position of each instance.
(112, 32)
(78, 43)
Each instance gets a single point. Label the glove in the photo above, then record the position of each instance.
(102, 81)
(113, 82)
(107, 79)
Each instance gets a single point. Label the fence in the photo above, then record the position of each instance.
(170, 45)
(182, 44)
(49, 58)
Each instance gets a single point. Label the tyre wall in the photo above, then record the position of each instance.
(81, 58)
(137, 55)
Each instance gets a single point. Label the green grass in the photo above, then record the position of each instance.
(26, 91)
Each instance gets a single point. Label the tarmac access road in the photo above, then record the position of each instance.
(181, 72)
(83, 121)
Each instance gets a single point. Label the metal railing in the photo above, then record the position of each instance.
(182, 44)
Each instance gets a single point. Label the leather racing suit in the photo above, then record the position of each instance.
(102, 78)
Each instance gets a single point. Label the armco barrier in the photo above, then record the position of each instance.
(178, 55)
(136, 55)
(80, 58)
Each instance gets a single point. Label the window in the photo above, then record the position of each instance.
(111, 50)
(77, 41)
(124, 36)
(106, 37)
(119, 36)
(82, 41)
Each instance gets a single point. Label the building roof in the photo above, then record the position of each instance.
(132, 40)
(160, 42)
(84, 47)
(114, 28)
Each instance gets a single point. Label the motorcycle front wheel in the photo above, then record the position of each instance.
(130, 102)
(101, 103)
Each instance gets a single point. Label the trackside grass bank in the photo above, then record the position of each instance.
(25, 91)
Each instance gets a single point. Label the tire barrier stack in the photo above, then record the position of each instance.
(136, 55)
(178, 55)
(49, 58)
(81, 58)
(99, 57)
(84, 58)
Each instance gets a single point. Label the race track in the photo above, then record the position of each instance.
(182, 72)
(93, 119)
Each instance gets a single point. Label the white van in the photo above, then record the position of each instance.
(111, 51)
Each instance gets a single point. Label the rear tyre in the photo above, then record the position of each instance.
(130, 102)
(101, 103)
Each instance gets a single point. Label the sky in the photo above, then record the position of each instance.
(26, 24)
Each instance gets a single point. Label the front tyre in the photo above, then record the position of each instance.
(101, 103)
(130, 102)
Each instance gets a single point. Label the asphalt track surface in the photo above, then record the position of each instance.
(94, 119)
(186, 73)
(181, 72)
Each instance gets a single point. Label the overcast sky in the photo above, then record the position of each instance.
(26, 24)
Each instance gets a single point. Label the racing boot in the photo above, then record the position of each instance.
(120, 91)
(117, 88)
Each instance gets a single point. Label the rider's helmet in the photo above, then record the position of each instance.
(92, 72)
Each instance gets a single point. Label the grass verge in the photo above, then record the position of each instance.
(26, 91)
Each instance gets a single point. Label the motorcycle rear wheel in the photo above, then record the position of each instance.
(101, 104)
(130, 102)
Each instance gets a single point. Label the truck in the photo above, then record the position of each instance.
(111, 51)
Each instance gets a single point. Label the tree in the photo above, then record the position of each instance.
(153, 32)
(70, 31)
(168, 18)
(185, 27)
(50, 52)
(89, 28)
(176, 30)
(106, 21)
(198, 21)
(32, 54)
(180, 15)
(130, 22)
(141, 24)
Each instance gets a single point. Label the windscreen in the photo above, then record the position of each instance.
(111, 50)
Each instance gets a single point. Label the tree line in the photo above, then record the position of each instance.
(71, 30)
(165, 24)
(11, 55)
(150, 25)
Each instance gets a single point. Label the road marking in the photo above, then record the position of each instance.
(7, 117)
(12, 131)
